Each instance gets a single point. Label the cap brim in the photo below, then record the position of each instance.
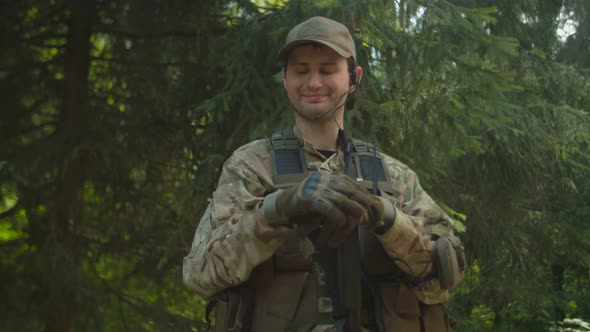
(284, 51)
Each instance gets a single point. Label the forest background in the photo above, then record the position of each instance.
(118, 114)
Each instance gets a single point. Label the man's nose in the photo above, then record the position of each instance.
(314, 80)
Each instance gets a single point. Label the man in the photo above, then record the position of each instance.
(283, 203)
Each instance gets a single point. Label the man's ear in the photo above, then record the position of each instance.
(355, 78)
(359, 74)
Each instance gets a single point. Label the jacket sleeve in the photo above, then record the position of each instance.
(233, 236)
(419, 222)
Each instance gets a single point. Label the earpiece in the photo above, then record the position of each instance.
(354, 78)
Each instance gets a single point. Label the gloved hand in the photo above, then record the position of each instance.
(321, 197)
(381, 213)
(383, 219)
(341, 203)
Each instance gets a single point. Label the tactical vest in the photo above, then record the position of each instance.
(287, 293)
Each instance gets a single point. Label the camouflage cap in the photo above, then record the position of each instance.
(321, 30)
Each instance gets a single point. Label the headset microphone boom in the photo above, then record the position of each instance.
(335, 108)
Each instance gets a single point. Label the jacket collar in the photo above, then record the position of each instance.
(308, 148)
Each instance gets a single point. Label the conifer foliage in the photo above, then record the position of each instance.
(118, 116)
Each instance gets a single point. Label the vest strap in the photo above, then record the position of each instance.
(289, 165)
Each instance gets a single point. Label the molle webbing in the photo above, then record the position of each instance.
(290, 166)
(364, 153)
(364, 161)
(289, 160)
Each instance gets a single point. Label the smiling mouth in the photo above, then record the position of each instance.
(314, 98)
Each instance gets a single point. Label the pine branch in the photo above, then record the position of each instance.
(33, 64)
(153, 35)
(167, 165)
(28, 130)
(138, 304)
(56, 14)
(12, 243)
(142, 64)
(121, 247)
(33, 40)
(149, 198)
(10, 212)
(29, 111)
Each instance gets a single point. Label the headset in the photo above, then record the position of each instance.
(353, 82)
(354, 78)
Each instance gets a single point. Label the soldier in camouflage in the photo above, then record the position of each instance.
(253, 251)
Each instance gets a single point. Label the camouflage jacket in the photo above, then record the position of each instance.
(233, 236)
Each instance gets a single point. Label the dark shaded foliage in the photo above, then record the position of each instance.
(109, 153)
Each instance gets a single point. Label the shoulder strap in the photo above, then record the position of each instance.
(366, 166)
(289, 165)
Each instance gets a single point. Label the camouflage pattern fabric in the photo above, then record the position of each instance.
(233, 236)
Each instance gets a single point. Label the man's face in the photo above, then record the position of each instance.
(316, 80)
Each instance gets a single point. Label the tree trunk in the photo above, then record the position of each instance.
(402, 15)
(61, 249)
(557, 279)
